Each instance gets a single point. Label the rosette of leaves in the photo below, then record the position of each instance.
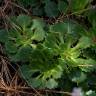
(46, 55)
(68, 42)
(24, 43)
(44, 70)
(20, 39)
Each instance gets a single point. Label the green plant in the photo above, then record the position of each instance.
(53, 8)
(21, 37)
(45, 7)
(46, 53)
(23, 44)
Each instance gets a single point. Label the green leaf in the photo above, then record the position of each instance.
(39, 35)
(62, 6)
(38, 28)
(51, 83)
(23, 54)
(77, 76)
(23, 21)
(35, 83)
(59, 27)
(51, 8)
(13, 34)
(79, 5)
(86, 65)
(37, 23)
(10, 47)
(25, 71)
(84, 42)
(57, 72)
(69, 27)
(51, 43)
